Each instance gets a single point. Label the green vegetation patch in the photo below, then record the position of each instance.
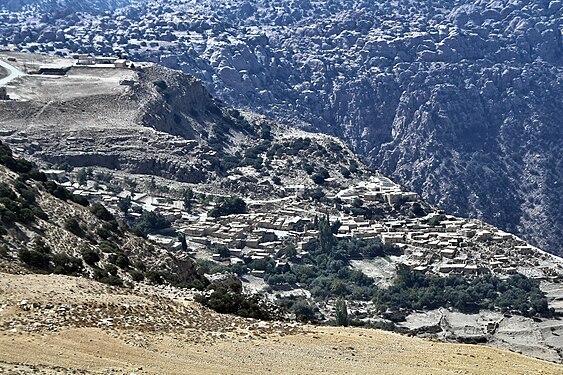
(416, 291)
(228, 206)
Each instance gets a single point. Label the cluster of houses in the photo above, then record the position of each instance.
(437, 243)
(377, 188)
(102, 61)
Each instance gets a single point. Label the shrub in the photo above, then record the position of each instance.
(226, 301)
(83, 201)
(14, 164)
(228, 206)
(160, 84)
(57, 190)
(35, 259)
(155, 277)
(136, 275)
(90, 257)
(73, 226)
(101, 212)
(103, 232)
(111, 269)
(140, 266)
(318, 179)
(151, 221)
(210, 267)
(112, 280)
(122, 261)
(67, 265)
(303, 310)
(108, 247)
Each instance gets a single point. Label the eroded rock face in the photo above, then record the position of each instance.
(460, 101)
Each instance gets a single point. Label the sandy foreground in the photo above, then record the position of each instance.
(56, 324)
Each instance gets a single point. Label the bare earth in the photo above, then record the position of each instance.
(57, 324)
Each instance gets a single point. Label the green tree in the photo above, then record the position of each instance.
(342, 313)
(182, 239)
(326, 238)
(151, 222)
(124, 205)
(228, 206)
(188, 196)
(82, 176)
(101, 212)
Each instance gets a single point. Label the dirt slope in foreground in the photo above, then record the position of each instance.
(56, 324)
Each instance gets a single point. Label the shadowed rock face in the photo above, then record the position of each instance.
(460, 101)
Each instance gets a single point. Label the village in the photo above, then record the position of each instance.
(431, 242)
(435, 243)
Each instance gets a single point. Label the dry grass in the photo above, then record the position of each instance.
(212, 343)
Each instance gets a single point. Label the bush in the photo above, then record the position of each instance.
(140, 266)
(90, 257)
(14, 164)
(67, 265)
(136, 275)
(151, 222)
(111, 269)
(57, 190)
(73, 226)
(210, 267)
(112, 280)
(103, 232)
(318, 179)
(122, 261)
(225, 301)
(228, 206)
(101, 212)
(36, 175)
(83, 201)
(108, 247)
(302, 308)
(35, 259)
(155, 277)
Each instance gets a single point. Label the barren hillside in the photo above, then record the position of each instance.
(57, 324)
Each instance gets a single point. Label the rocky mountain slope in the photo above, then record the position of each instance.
(155, 121)
(460, 101)
(47, 229)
